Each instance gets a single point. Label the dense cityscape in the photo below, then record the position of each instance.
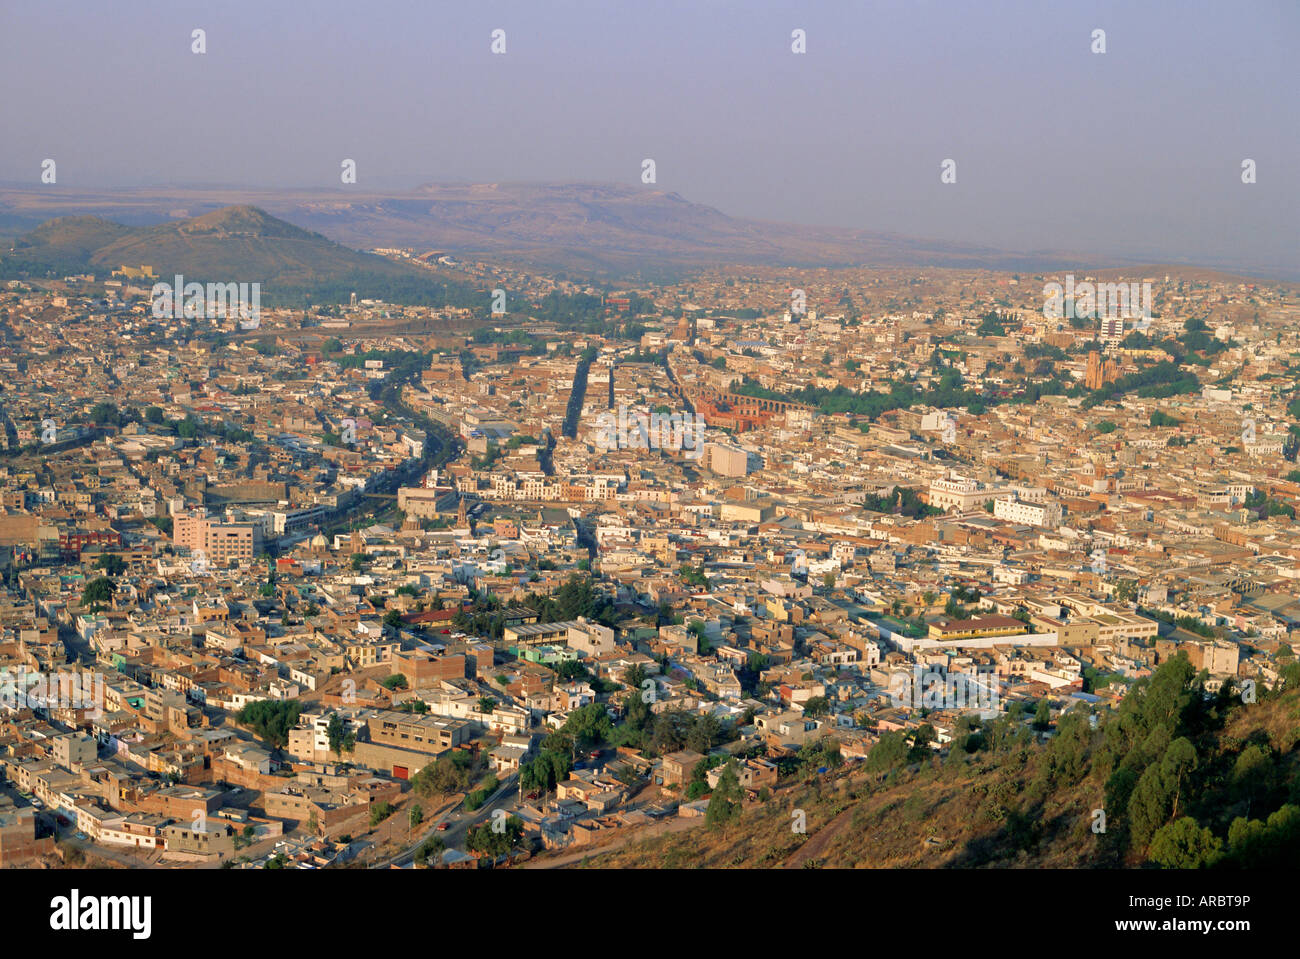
(360, 582)
(653, 445)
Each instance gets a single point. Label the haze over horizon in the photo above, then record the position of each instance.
(1135, 153)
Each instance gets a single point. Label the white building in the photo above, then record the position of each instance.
(957, 491)
(1028, 514)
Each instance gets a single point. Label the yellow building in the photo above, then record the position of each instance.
(975, 628)
(132, 273)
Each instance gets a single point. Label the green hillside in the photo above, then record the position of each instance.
(1185, 780)
(234, 244)
(63, 245)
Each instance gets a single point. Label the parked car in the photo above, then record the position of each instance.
(443, 826)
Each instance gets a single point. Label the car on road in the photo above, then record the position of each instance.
(532, 795)
(81, 835)
(443, 826)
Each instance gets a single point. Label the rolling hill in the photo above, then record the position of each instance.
(235, 243)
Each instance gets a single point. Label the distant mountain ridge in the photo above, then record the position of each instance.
(595, 229)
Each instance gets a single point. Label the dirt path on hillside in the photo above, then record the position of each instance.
(815, 846)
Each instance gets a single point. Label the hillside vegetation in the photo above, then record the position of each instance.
(234, 244)
(1185, 780)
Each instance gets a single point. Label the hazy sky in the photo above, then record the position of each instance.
(1136, 151)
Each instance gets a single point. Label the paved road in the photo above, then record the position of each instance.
(459, 822)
